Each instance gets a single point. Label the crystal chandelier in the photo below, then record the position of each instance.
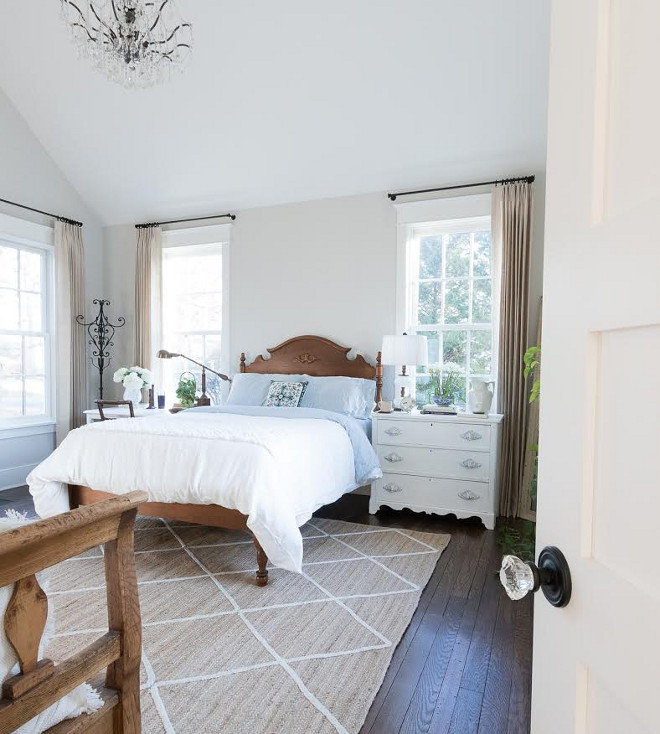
(133, 42)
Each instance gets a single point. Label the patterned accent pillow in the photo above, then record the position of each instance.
(285, 394)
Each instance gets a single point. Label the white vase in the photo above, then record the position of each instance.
(134, 394)
(480, 397)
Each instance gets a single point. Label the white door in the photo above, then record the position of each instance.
(597, 661)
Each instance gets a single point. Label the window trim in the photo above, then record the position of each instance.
(28, 235)
(214, 234)
(449, 214)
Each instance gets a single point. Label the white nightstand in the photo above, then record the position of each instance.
(441, 464)
(92, 415)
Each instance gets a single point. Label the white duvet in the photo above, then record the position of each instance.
(277, 471)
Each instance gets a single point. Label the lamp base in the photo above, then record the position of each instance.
(203, 400)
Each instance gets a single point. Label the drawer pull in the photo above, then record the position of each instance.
(471, 436)
(389, 487)
(393, 431)
(470, 464)
(393, 457)
(468, 494)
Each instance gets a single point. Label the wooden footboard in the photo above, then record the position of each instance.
(210, 515)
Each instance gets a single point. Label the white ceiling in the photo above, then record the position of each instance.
(290, 101)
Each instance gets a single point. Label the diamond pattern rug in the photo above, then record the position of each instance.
(305, 654)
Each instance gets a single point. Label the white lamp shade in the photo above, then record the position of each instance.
(405, 349)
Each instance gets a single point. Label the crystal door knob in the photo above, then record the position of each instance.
(552, 576)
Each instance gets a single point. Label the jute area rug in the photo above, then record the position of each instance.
(307, 653)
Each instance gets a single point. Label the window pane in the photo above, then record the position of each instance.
(458, 254)
(35, 355)
(8, 266)
(8, 309)
(481, 264)
(30, 271)
(480, 352)
(31, 311)
(430, 303)
(11, 397)
(430, 257)
(456, 302)
(35, 396)
(481, 301)
(454, 350)
(433, 339)
(10, 355)
(212, 350)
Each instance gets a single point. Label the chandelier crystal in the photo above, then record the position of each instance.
(133, 42)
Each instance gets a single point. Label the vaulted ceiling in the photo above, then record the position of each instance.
(289, 101)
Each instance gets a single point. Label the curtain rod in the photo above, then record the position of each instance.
(192, 219)
(527, 179)
(40, 211)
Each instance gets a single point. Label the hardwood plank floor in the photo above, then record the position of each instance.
(464, 664)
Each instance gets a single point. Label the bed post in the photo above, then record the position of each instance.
(262, 561)
(379, 377)
(241, 367)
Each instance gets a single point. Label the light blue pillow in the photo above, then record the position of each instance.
(251, 388)
(351, 396)
(348, 395)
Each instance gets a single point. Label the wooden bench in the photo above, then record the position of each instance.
(27, 550)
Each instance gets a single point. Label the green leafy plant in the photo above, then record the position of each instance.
(443, 387)
(519, 542)
(186, 391)
(532, 360)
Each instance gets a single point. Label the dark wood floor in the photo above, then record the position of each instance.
(464, 663)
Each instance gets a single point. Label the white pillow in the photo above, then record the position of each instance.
(81, 700)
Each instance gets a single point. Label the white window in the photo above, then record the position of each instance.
(194, 305)
(450, 279)
(26, 370)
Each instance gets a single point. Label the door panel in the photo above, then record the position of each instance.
(595, 661)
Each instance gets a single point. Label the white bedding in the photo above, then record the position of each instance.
(277, 471)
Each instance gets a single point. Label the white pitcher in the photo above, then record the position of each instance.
(480, 397)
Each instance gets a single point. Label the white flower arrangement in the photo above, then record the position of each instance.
(133, 378)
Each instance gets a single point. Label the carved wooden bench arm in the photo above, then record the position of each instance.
(27, 550)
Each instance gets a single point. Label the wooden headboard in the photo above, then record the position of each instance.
(318, 357)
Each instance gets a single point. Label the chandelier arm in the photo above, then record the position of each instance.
(73, 5)
(169, 38)
(114, 11)
(103, 23)
(80, 25)
(158, 15)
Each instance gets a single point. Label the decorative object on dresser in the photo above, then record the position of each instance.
(101, 332)
(134, 379)
(102, 404)
(203, 399)
(444, 384)
(438, 464)
(480, 398)
(404, 350)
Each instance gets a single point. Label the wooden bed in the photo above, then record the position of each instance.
(310, 355)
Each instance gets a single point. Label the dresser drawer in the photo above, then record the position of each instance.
(444, 495)
(435, 462)
(433, 433)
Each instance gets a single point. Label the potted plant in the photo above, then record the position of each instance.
(133, 379)
(443, 388)
(186, 391)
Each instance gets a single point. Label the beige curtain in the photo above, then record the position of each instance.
(147, 297)
(71, 380)
(511, 223)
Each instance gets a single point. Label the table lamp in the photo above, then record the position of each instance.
(404, 350)
(203, 399)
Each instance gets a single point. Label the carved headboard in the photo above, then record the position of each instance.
(316, 356)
